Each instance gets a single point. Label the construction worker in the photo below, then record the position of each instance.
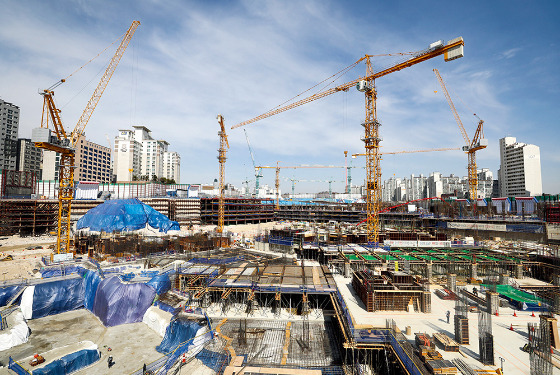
(448, 314)
(475, 291)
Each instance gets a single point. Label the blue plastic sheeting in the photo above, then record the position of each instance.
(91, 282)
(178, 337)
(166, 307)
(117, 303)
(70, 363)
(215, 361)
(160, 283)
(16, 367)
(7, 293)
(57, 297)
(127, 276)
(60, 271)
(125, 215)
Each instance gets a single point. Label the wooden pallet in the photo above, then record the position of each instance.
(443, 367)
(449, 345)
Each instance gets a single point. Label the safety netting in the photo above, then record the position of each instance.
(182, 336)
(125, 215)
(70, 363)
(52, 298)
(118, 303)
(520, 298)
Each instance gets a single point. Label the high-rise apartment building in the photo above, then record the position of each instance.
(172, 166)
(520, 169)
(9, 124)
(29, 158)
(93, 163)
(139, 156)
(127, 154)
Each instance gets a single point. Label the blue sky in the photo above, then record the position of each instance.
(190, 60)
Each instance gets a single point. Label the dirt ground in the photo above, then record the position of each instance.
(24, 260)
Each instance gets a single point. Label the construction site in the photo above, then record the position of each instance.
(147, 283)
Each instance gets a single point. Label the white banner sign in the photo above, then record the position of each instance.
(477, 226)
(62, 257)
(398, 243)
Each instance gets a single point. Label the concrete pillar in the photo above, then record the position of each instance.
(518, 271)
(492, 302)
(504, 279)
(429, 271)
(347, 269)
(474, 271)
(556, 280)
(452, 282)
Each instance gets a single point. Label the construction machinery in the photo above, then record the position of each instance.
(412, 151)
(451, 50)
(64, 143)
(258, 172)
(224, 145)
(278, 167)
(478, 142)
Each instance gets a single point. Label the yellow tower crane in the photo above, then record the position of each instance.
(412, 151)
(278, 167)
(65, 143)
(478, 142)
(224, 145)
(451, 50)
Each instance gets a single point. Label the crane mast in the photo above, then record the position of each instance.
(224, 145)
(471, 146)
(451, 50)
(66, 143)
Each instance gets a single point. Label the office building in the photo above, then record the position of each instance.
(9, 124)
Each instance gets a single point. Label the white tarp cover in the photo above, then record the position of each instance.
(26, 303)
(18, 331)
(157, 319)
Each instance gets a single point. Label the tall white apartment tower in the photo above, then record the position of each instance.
(9, 124)
(126, 156)
(172, 166)
(520, 169)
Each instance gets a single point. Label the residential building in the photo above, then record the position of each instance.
(92, 161)
(127, 155)
(9, 124)
(172, 166)
(139, 156)
(520, 169)
(29, 158)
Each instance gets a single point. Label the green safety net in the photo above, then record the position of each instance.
(515, 294)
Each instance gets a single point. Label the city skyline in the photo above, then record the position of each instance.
(190, 61)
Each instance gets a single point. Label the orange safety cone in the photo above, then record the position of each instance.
(514, 314)
(497, 313)
(511, 327)
(533, 314)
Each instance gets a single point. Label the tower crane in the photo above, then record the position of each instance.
(293, 180)
(412, 151)
(451, 50)
(258, 172)
(65, 143)
(224, 145)
(278, 167)
(478, 141)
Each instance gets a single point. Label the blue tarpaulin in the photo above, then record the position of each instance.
(7, 293)
(70, 363)
(91, 282)
(57, 297)
(160, 283)
(61, 271)
(177, 340)
(125, 215)
(117, 303)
